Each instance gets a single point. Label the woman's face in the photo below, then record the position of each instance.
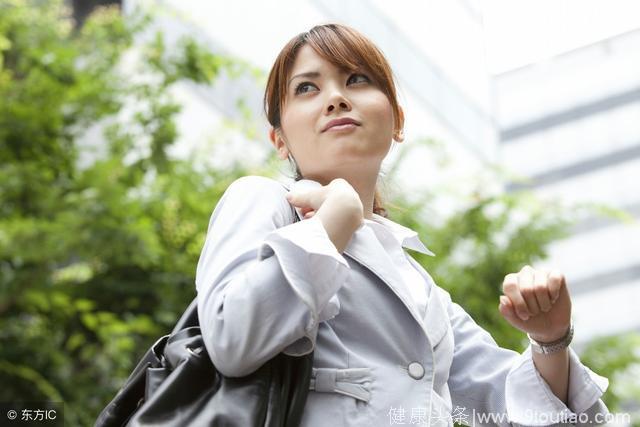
(317, 93)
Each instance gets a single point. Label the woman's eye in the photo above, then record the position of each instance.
(300, 87)
(360, 76)
(304, 87)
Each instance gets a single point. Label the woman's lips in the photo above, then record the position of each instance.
(345, 127)
(339, 122)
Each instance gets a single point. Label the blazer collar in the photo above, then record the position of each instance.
(407, 237)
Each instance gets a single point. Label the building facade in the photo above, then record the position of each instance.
(570, 128)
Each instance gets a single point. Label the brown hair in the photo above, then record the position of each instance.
(346, 49)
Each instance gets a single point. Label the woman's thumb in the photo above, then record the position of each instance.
(295, 198)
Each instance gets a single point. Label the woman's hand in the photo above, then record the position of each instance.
(339, 190)
(337, 205)
(537, 302)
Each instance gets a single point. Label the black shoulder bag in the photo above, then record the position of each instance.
(176, 384)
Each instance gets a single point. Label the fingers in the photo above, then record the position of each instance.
(511, 289)
(541, 289)
(307, 199)
(297, 198)
(556, 282)
(339, 197)
(532, 291)
(507, 309)
(526, 281)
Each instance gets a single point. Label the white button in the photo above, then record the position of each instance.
(416, 370)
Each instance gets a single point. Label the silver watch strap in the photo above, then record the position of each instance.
(552, 347)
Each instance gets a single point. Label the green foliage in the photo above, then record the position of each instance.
(97, 261)
(618, 359)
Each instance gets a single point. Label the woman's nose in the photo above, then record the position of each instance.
(343, 105)
(337, 100)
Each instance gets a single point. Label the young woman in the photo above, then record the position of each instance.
(390, 345)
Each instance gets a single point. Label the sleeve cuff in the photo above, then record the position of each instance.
(531, 402)
(314, 269)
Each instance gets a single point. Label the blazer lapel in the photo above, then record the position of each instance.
(375, 258)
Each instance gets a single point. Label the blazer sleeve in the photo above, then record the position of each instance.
(264, 282)
(492, 385)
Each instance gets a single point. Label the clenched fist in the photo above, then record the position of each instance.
(537, 302)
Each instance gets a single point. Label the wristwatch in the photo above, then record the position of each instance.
(552, 347)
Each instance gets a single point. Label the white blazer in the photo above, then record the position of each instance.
(266, 285)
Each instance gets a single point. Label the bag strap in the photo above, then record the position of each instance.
(189, 318)
(296, 217)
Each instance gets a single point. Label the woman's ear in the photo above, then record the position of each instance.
(275, 135)
(398, 135)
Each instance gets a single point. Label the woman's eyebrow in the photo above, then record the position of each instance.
(309, 74)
